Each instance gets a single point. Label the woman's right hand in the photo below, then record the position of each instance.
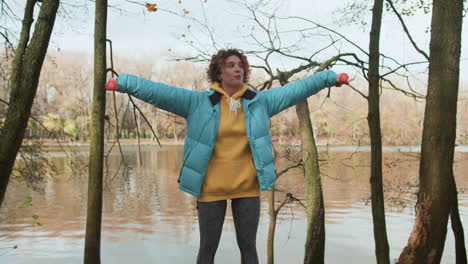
(111, 85)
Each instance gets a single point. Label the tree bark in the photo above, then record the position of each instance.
(315, 241)
(25, 73)
(96, 157)
(373, 119)
(426, 242)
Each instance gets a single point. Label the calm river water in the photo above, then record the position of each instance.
(146, 218)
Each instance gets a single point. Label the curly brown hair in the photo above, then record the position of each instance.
(218, 59)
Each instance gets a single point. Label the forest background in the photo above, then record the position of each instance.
(63, 104)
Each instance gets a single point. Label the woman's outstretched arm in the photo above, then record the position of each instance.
(173, 99)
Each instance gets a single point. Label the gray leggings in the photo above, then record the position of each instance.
(246, 213)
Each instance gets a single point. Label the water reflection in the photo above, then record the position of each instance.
(148, 219)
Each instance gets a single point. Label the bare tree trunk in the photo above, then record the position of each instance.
(273, 212)
(92, 253)
(457, 226)
(373, 119)
(427, 239)
(271, 228)
(315, 242)
(24, 80)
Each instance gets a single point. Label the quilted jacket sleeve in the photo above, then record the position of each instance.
(173, 99)
(280, 98)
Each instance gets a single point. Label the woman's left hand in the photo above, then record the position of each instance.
(341, 78)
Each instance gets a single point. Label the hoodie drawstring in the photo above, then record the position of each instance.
(233, 105)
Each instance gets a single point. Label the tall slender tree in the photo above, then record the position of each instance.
(92, 249)
(426, 242)
(457, 226)
(25, 72)
(373, 119)
(315, 240)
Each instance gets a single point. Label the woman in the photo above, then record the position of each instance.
(227, 152)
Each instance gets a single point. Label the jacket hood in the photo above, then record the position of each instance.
(215, 86)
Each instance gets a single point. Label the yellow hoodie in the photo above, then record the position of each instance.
(230, 173)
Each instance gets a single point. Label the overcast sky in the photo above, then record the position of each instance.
(134, 31)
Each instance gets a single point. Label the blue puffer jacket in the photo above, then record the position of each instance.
(201, 110)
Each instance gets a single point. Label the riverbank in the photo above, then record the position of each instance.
(53, 145)
(294, 142)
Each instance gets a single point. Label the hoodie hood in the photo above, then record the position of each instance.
(215, 86)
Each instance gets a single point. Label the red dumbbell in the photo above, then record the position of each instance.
(111, 85)
(342, 78)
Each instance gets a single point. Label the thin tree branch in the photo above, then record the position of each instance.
(406, 30)
(414, 95)
(146, 120)
(138, 134)
(282, 172)
(331, 30)
(287, 199)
